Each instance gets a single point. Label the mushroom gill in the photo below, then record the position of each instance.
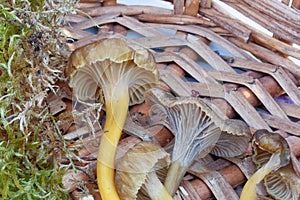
(271, 152)
(137, 171)
(197, 130)
(117, 73)
(283, 184)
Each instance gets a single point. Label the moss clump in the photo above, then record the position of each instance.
(32, 55)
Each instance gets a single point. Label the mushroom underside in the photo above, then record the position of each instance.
(283, 184)
(94, 80)
(138, 167)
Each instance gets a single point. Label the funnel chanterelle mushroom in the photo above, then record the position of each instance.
(197, 130)
(116, 73)
(137, 171)
(283, 184)
(271, 152)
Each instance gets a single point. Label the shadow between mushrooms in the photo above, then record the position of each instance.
(271, 152)
(137, 172)
(117, 74)
(197, 130)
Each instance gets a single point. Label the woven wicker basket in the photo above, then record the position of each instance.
(203, 49)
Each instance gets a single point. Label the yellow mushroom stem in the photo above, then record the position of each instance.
(174, 176)
(116, 103)
(155, 189)
(249, 192)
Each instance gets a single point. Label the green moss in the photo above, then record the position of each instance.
(32, 57)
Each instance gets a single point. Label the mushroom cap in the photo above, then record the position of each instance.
(283, 184)
(133, 168)
(197, 128)
(265, 144)
(111, 63)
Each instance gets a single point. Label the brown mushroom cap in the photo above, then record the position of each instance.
(196, 127)
(283, 184)
(111, 63)
(265, 144)
(133, 169)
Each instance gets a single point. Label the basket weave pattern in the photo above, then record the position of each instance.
(248, 83)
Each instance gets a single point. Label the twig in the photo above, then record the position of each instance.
(191, 7)
(230, 24)
(280, 28)
(244, 31)
(174, 19)
(267, 55)
(125, 10)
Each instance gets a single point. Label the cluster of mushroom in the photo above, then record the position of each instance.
(119, 74)
(273, 159)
